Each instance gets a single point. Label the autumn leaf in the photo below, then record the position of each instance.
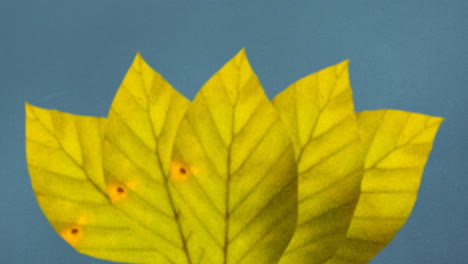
(234, 171)
(64, 159)
(137, 144)
(226, 178)
(252, 180)
(319, 114)
(397, 145)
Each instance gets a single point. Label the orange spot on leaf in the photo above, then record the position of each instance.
(117, 192)
(72, 234)
(179, 172)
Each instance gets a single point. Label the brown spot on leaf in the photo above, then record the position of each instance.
(117, 192)
(179, 171)
(72, 235)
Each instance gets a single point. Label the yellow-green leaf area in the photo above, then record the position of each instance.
(64, 161)
(319, 114)
(231, 177)
(138, 139)
(397, 145)
(233, 171)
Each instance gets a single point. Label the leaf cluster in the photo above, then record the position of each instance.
(230, 177)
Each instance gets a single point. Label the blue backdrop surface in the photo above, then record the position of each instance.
(72, 55)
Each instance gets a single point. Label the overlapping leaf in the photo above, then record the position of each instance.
(397, 145)
(138, 139)
(64, 160)
(163, 180)
(319, 114)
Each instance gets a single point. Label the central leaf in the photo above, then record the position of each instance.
(233, 172)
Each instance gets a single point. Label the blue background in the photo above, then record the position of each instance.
(72, 55)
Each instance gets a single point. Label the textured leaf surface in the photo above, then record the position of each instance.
(234, 172)
(397, 145)
(319, 114)
(138, 140)
(64, 160)
(229, 178)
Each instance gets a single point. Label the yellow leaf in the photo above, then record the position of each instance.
(64, 160)
(138, 140)
(233, 171)
(397, 145)
(319, 114)
(166, 181)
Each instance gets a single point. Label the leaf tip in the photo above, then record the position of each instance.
(138, 61)
(241, 56)
(137, 57)
(346, 62)
(436, 120)
(242, 51)
(343, 65)
(30, 109)
(28, 106)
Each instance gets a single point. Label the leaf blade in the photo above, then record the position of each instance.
(319, 114)
(142, 123)
(397, 146)
(66, 175)
(226, 147)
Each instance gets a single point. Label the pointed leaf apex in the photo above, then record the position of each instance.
(241, 56)
(138, 58)
(29, 108)
(437, 120)
(140, 63)
(346, 62)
